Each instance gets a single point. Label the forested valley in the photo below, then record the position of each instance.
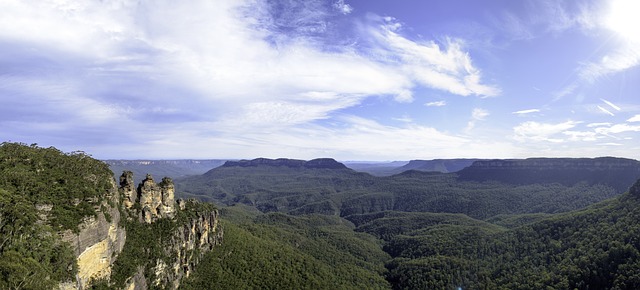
(296, 225)
(292, 224)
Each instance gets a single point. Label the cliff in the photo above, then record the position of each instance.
(165, 241)
(66, 224)
(139, 238)
(97, 243)
(618, 173)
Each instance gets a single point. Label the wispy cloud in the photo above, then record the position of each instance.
(605, 110)
(620, 60)
(525, 112)
(591, 125)
(535, 131)
(617, 128)
(478, 114)
(232, 66)
(436, 104)
(581, 135)
(444, 66)
(612, 105)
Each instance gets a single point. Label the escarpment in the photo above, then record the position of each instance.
(164, 242)
(188, 244)
(618, 173)
(97, 243)
(141, 237)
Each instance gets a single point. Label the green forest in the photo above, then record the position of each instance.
(334, 228)
(418, 230)
(31, 255)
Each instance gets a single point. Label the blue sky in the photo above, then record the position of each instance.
(352, 80)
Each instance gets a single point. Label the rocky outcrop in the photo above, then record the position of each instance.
(127, 189)
(197, 231)
(98, 242)
(155, 200)
(101, 239)
(320, 163)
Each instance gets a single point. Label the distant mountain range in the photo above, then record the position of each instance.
(162, 168)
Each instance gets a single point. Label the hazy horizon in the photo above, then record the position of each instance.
(345, 79)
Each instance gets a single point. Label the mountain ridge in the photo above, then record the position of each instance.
(319, 163)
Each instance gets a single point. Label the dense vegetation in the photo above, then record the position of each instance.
(278, 251)
(440, 232)
(147, 243)
(345, 192)
(32, 180)
(334, 228)
(596, 248)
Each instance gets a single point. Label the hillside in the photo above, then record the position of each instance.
(292, 187)
(66, 224)
(295, 224)
(618, 173)
(440, 231)
(594, 248)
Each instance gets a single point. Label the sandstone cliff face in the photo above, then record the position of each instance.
(98, 242)
(188, 244)
(101, 239)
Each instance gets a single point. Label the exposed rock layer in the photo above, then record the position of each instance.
(98, 243)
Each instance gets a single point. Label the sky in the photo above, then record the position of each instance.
(348, 79)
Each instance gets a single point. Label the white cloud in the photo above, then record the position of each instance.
(622, 59)
(591, 125)
(477, 114)
(219, 60)
(447, 67)
(525, 112)
(635, 118)
(535, 131)
(342, 7)
(212, 70)
(581, 135)
(605, 110)
(436, 104)
(612, 105)
(617, 128)
(404, 96)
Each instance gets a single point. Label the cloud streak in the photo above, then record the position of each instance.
(206, 68)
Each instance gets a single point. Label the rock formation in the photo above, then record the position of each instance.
(127, 189)
(101, 239)
(156, 200)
